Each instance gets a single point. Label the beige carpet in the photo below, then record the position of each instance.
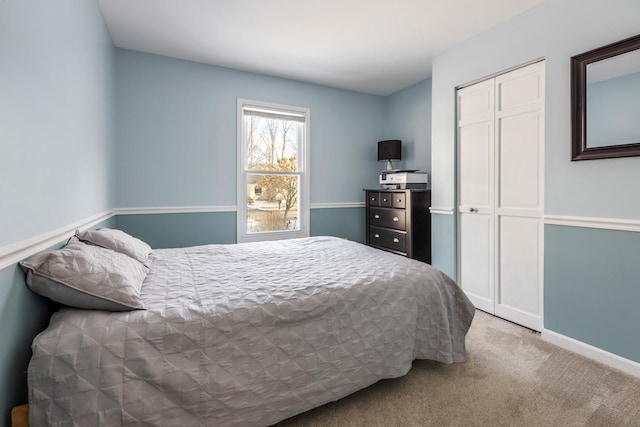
(511, 378)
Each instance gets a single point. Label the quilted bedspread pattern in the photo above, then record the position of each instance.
(246, 334)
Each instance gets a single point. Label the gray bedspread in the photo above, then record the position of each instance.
(246, 334)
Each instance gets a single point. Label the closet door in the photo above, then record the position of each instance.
(476, 193)
(500, 200)
(519, 208)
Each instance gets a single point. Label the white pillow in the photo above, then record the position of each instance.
(85, 276)
(118, 241)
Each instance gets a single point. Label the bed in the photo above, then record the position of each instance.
(246, 334)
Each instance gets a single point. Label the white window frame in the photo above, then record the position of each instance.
(242, 235)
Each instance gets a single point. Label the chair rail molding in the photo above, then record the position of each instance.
(337, 205)
(590, 222)
(152, 210)
(441, 211)
(12, 253)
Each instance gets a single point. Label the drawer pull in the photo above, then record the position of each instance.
(373, 199)
(377, 236)
(396, 219)
(376, 216)
(399, 200)
(473, 210)
(395, 240)
(384, 200)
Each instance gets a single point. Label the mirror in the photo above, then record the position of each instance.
(605, 101)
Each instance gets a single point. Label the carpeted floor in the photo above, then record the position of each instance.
(511, 378)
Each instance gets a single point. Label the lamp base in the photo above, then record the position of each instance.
(389, 165)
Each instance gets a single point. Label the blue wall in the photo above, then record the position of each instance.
(23, 315)
(348, 223)
(176, 132)
(408, 118)
(57, 68)
(555, 30)
(177, 230)
(592, 287)
(443, 250)
(174, 230)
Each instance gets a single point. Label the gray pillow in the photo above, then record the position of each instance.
(85, 276)
(118, 241)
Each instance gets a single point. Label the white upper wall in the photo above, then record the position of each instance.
(555, 31)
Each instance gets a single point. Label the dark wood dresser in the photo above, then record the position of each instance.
(399, 221)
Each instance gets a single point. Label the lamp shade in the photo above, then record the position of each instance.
(390, 149)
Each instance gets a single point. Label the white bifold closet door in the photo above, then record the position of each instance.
(500, 194)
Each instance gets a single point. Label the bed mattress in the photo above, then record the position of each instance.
(246, 334)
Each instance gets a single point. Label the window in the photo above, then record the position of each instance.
(273, 171)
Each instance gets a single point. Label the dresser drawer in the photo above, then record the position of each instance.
(386, 199)
(383, 198)
(398, 200)
(388, 239)
(391, 218)
(373, 198)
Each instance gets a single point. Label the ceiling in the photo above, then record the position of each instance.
(370, 46)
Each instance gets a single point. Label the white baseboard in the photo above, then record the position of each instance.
(594, 353)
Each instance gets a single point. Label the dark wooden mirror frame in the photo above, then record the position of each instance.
(579, 148)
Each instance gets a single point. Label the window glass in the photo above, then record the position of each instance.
(273, 146)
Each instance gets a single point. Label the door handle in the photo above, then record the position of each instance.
(473, 210)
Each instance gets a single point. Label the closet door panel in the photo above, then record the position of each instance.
(476, 195)
(476, 103)
(476, 260)
(520, 177)
(519, 298)
(520, 87)
(476, 161)
(519, 137)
